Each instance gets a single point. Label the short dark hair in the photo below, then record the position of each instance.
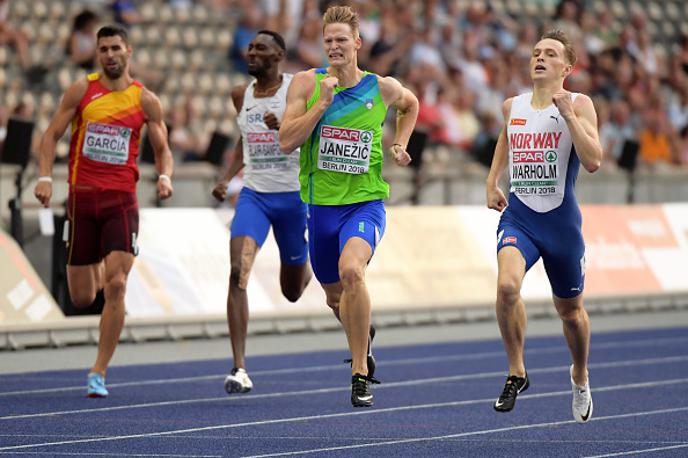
(113, 30)
(275, 36)
(82, 19)
(562, 38)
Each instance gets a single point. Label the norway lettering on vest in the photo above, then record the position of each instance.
(539, 150)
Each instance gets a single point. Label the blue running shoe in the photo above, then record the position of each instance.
(96, 386)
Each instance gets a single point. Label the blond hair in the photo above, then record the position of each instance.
(341, 15)
(562, 38)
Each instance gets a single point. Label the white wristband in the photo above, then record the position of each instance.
(164, 177)
(45, 179)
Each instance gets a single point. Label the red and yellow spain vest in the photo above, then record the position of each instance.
(106, 133)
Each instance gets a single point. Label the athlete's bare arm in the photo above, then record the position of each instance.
(496, 199)
(220, 190)
(58, 124)
(298, 123)
(406, 104)
(157, 133)
(581, 119)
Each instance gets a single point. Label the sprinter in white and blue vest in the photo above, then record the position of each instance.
(548, 133)
(269, 198)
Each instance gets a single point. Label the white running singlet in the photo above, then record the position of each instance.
(266, 168)
(540, 146)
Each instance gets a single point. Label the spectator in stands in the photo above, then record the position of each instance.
(466, 118)
(425, 51)
(642, 51)
(605, 30)
(618, 131)
(26, 110)
(124, 12)
(284, 16)
(678, 108)
(566, 20)
(308, 52)
(682, 54)
(249, 24)
(683, 147)
(485, 142)
(390, 48)
(81, 44)
(654, 138)
(186, 143)
(14, 37)
(3, 125)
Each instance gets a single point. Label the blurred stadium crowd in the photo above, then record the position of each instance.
(461, 57)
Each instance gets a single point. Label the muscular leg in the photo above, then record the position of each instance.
(511, 311)
(294, 279)
(84, 283)
(333, 295)
(242, 254)
(355, 301)
(117, 267)
(577, 331)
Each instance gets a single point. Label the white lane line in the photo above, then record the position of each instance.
(386, 363)
(472, 433)
(638, 452)
(145, 455)
(349, 414)
(311, 392)
(303, 438)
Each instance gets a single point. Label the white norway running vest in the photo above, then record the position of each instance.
(540, 146)
(266, 168)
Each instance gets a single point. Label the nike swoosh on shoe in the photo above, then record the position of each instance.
(587, 414)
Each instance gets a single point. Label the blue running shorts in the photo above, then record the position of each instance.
(331, 226)
(556, 236)
(285, 211)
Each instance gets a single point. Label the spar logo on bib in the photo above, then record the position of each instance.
(261, 151)
(344, 150)
(340, 133)
(551, 156)
(107, 143)
(261, 137)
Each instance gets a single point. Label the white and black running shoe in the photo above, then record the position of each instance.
(238, 381)
(360, 390)
(513, 386)
(582, 400)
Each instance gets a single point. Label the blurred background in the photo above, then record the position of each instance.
(462, 58)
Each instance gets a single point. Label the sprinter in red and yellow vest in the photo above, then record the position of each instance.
(107, 111)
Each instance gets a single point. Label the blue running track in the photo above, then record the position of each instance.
(434, 400)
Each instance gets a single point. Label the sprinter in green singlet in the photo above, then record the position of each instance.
(335, 114)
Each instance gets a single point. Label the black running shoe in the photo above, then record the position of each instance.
(360, 391)
(514, 385)
(371, 359)
(370, 362)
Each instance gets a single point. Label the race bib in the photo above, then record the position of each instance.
(535, 173)
(264, 152)
(344, 150)
(106, 143)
